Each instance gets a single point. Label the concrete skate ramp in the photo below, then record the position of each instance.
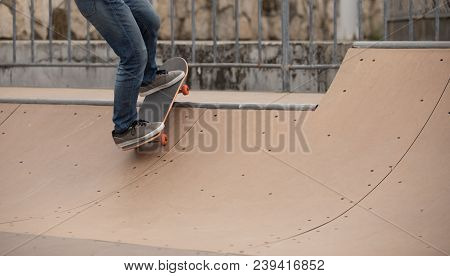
(365, 174)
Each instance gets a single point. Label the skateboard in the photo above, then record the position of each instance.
(157, 106)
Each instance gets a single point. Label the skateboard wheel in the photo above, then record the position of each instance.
(184, 89)
(164, 139)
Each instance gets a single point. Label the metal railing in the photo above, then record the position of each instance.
(410, 11)
(286, 66)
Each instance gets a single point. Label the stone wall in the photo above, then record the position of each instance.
(271, 21)
(41, 15)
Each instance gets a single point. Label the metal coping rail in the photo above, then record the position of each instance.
(286, 62)
(192, 65)
(234, 106)
(403, 44)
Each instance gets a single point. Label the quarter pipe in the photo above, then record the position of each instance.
(366, 173)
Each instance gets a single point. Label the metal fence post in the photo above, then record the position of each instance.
(285, 44)
(385, 18)
(236, 31)
(14, 25)
(334, 31)
(360, 20)
(411, 20)
(32, 29)
(172, 30)
(437, 19)
(214, 30)
(311, 30)
(88, 42)
(50, 31)
(259, 31)
(69, 31)
(194, 31)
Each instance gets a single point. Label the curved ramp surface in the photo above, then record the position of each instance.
(365, 174)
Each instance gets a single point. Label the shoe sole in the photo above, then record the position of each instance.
(141, 140)
(164, 86)
(135, 146)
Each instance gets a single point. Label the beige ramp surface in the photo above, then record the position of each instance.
(365, 174)
(416, 195)
(59, 160)
(6, 110)
(375, 108)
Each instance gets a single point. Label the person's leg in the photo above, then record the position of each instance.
(116, 23)
(149, 23)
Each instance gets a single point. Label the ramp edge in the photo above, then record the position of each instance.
(402, 44)
(238, 106)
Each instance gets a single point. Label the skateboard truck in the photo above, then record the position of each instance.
(164, 138)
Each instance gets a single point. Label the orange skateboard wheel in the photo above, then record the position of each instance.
(164, 139)
(184, 89)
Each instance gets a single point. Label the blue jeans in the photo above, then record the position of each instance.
(131, 29)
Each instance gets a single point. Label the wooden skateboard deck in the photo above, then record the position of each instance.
(157, 106)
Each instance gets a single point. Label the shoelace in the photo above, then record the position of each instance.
(137, 123)
(141, 122)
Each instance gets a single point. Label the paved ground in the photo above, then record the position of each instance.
(366, 173)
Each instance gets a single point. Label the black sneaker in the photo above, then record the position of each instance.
(139, 133)
(162, 80)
